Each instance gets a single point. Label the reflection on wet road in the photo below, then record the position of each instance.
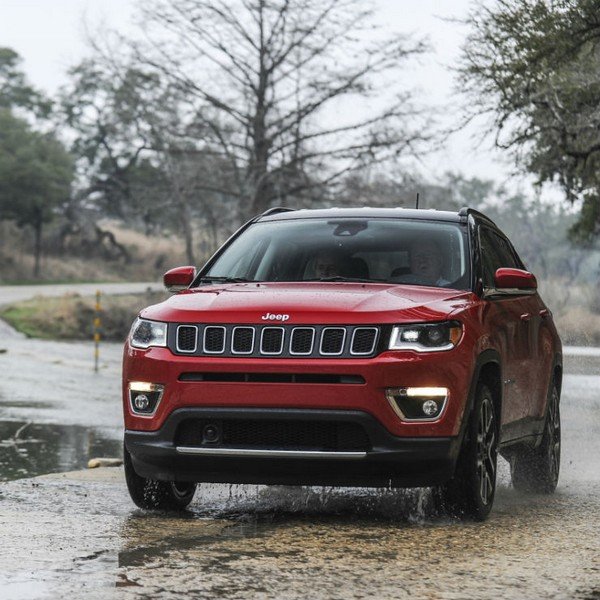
(79, 534)
(55, 412)
(28, 449)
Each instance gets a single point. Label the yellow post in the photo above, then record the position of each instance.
(97, 325)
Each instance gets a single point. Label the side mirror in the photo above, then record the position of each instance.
(179, 279)
(506, 278)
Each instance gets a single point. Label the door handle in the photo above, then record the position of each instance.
(526, 317)
(544, 313)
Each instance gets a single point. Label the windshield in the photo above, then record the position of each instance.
(348, 249)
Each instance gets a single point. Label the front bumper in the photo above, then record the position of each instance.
(390, 460)
(392, 369)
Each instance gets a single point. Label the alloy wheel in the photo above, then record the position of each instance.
(553, 433)
(486, 451)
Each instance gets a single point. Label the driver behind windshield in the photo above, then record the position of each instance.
(327, 264)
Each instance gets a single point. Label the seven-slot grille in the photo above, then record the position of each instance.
(325, 341)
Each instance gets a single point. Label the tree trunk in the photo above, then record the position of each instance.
(185, 219)
(37, 247)
(260, 201)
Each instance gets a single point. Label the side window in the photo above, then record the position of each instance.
(495, 253)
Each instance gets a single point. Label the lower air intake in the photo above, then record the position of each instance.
(277, 434)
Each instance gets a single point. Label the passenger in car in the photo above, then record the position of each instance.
(426, 265)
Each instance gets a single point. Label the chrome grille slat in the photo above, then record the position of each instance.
(332, 341)
(242, 340)
(363, 341)
(271, 340)
(187, 338)
(214, 339)
(302, 341)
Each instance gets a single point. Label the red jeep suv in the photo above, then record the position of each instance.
(347, 347)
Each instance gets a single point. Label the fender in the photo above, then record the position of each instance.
(487, 357)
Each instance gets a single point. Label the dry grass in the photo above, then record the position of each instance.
(150, 257)
(71, 317)
(579, 327)
(576, 310)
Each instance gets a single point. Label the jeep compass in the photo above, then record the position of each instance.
(347, 347)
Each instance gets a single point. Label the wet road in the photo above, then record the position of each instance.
(79, 534)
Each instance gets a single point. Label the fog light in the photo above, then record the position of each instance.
(430, 408)
(141, 402)
(144, 397)
(418, 404)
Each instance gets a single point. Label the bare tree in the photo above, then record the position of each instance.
(140, 155)
(293, 94)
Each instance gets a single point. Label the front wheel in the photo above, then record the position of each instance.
(470, 493)
(536, 469)
(154, 494)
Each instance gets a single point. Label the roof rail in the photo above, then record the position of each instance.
(465, 211)
(275, 210)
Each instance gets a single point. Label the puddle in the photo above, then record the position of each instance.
(30, 449)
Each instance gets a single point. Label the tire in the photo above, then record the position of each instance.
(470, 493)
(153, 494)
(536, 470)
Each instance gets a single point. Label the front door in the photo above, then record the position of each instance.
(514, 320)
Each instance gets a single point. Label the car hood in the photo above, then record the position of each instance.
(309, 303)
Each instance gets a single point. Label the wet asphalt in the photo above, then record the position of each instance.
(77, 534)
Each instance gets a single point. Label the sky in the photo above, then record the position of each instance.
(50, 36)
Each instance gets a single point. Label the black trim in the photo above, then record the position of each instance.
(260, 377)
(395, 461)
(522, 430)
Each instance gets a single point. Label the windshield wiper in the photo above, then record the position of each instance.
(223, 279)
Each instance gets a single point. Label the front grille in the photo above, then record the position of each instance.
(285, 341)
(276, 434)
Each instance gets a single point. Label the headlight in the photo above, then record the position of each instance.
(426, 337)
(146, 333)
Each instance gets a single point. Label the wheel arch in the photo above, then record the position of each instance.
(488, 368)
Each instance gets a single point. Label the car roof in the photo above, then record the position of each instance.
(428, 214)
